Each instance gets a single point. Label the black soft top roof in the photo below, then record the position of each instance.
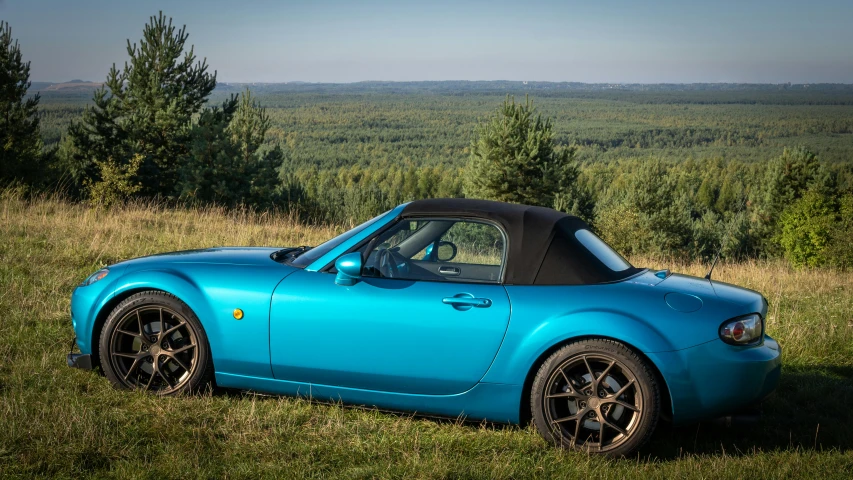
(543, 249)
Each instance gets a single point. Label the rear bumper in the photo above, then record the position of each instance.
(714, 379)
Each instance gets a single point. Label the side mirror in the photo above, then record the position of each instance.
(349, 269)
(446, 251)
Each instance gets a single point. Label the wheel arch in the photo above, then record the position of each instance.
(524, 414)
(104, 313)
(172, 283)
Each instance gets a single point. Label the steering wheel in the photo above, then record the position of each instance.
(386, 264)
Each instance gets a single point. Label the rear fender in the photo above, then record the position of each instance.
(521, 352)
(521, 355)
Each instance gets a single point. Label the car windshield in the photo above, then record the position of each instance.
(313, 254)
(602, 251)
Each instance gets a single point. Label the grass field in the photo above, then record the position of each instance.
(59, 422)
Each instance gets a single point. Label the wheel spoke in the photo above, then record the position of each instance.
(589, 369)
(613, 426)
(139, 322)
(161, 323)
(127, 355)
(623, 404)
(622, 390)
(179, 362)
(182, 349)
(129, 334)
(133, 367)
(566, 378)
(164, 374)
(571, 394)
(153, 373)
(604, 373)
(577, 433)
(172, 330)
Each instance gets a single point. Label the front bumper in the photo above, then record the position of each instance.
(82, 361)
(715, 379)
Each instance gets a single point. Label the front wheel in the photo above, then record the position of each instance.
(596, 396)
(153, 341)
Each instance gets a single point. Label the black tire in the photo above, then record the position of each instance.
(153, 341)
(588, 381)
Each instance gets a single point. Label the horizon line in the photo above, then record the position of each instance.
(525, 82)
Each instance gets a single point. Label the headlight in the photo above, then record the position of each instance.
(96, 276)
(742, 330)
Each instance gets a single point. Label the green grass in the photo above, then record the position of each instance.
(59, 422)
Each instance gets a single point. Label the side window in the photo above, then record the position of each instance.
(438, 250)
(476, 244)
(399, 234)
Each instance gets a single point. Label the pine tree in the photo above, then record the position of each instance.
(226, 163)
(20, 138)
(207, 174)
(514, 159)
(145, 109)
(786, 179)
(652, 216)
(249, 126)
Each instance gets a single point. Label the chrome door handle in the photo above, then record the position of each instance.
(449, 271)
(467, 301)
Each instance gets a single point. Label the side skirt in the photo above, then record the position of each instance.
(493, 402)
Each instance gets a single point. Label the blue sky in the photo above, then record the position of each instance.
(344, 41)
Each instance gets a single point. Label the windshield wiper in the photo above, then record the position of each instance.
(287, 254)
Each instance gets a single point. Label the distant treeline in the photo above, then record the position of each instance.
(357, 124)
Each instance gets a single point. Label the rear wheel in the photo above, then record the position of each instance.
(597, 396)
(153, 341)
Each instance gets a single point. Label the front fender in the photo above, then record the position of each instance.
(181, 286)
(87, 302)
(239, 346)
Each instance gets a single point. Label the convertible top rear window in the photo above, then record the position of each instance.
(602, 251)
(576, 256)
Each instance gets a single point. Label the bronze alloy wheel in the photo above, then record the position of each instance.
(153, 348)
(152, 341)
(593, 402)
(596, 396)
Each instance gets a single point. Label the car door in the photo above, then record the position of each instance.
(412, 330)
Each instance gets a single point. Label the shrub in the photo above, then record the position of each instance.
(839, 252)
(806, 229)
(116, 183)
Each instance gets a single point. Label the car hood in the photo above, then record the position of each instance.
(215, 256)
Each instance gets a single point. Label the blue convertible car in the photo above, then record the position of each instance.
(502, 312)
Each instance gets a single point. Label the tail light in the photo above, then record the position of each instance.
(744, 330)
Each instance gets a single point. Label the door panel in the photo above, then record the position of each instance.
(456, 271)
(385, 334)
